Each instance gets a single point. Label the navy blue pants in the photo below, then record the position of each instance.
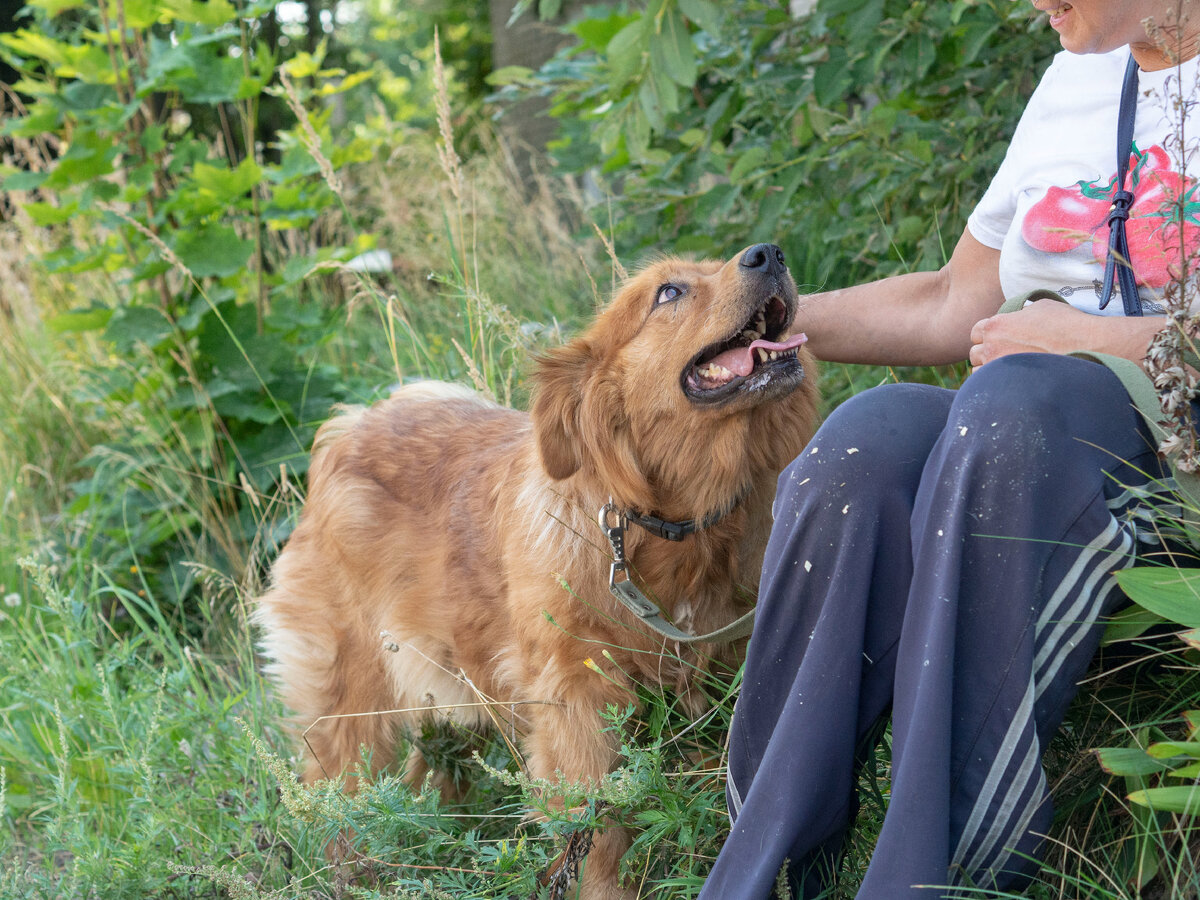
(945, 555)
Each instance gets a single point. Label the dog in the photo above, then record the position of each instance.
(448, 563)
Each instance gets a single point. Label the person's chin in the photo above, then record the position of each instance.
(1082, 44)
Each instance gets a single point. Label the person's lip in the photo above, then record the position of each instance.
(1055, 11)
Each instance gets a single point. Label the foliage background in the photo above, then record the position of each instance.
(859, 138)
(194, 200)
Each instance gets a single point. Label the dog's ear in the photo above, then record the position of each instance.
(579, 422)
(557, 406)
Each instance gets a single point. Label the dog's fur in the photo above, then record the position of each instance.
(425, 568)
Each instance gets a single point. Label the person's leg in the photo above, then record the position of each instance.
(1014, 540)
(819, 665)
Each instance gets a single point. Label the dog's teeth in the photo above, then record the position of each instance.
(762, 355)
(715, 372)
(774, 354)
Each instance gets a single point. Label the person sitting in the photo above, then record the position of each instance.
(948, 555)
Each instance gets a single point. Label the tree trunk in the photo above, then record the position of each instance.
(527, 42)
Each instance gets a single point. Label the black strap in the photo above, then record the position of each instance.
(670, 531)
(677, 531)
(1117, 267)
(673, 531)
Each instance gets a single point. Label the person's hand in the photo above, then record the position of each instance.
(1044, 326)
(1048, 326)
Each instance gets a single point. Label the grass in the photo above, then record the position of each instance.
(140, 750)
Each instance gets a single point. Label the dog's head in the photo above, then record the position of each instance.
(682, 366)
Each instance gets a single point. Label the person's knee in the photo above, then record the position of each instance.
(882, 435)
(1028, 391)
(1019, 418)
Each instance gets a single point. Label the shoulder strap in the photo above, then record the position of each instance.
(1117, 265)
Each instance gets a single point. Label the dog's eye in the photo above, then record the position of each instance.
(668, 293)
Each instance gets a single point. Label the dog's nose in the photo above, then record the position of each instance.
(765, 258)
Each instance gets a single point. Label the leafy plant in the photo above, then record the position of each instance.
(119, 754)
(1160, 773)
(857, 137)
(205, 241)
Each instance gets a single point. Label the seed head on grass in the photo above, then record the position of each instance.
(157, 242)
(304, 803)
(783, 888)
(62, 780)
(142, 763)
(620, 270)
(235, 885)
(447, 156)
(312, 143)
(43, 580)
(477, 378)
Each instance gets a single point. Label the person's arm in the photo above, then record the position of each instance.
(933, 318)
(918, 319)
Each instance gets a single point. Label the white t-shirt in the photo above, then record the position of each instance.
(1045, 209)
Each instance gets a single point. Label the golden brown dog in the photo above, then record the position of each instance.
(437, 525)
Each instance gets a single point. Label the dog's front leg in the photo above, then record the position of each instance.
(571, 739)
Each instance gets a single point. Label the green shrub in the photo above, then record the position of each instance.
(201, 243)
(858, 137)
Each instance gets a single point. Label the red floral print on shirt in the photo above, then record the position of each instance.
(1163, 226)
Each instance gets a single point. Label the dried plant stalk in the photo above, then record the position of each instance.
(447, 155)
(1172, 361)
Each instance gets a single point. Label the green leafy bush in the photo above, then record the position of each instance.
(857, 137)
(144, 168)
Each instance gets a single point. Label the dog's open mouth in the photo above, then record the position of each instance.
(758, 348)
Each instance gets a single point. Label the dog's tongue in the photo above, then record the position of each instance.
(740, 360)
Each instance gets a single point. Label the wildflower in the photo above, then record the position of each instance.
(1171, 444)
(12, 600)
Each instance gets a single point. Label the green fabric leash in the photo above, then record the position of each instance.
(1137, 384)
(620, 584)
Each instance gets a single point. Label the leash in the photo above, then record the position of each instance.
(620, 583)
